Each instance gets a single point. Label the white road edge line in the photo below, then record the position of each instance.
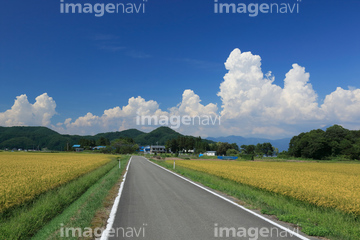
(110, 221)
(234, 203)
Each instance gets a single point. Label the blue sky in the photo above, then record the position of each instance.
(89, 64)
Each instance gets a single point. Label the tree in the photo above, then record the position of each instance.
(318, 147)
(248, 149)
(259, 151)
(297, 144)
(124, 145)
(102, 142)
(235, 147)
(213, 147)
(86, 143)
(172, 145)
(276, 151)
(201, 146)
(223, 147)
(189, 143)
(335, 135)
(264, 149)
(313, 144)
(232, 152)
(319, 144)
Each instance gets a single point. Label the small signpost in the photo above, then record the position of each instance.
(174, 163)
(119, 163)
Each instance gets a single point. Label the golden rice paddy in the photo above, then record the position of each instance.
(334, 185)
(26, 175)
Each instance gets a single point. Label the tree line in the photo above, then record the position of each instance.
(185, 143)
(198, 145)
(90, 143)
(260, 149)
(125, 145)
(335, 142)
(181, 144)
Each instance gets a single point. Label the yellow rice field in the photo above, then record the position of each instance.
(25, 175)
(335, 185)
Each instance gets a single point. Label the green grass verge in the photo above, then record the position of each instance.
(25, 221)
(313, 220)
(81, 212)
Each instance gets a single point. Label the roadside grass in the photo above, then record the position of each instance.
(23, 222)
(312, 220)
(80, 214)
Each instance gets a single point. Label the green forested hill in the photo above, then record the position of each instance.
(42, 137)
(132, 133)
(31, 138)
(157, 136)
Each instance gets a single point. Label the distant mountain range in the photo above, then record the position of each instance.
(281, 144)
(42, 137)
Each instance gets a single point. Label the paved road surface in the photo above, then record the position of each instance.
(158, 205)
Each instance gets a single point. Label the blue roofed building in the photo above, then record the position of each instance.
(78, 148)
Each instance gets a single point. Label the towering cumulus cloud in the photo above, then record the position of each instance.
(247, 93)
(191, 105)
(24, 113)
(343, 105)
(253, 104)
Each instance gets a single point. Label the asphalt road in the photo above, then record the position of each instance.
(158, 205)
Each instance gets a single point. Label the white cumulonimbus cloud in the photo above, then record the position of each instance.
(191, 106)
(247, 93)
(343, 105)
(23, 113)
(251, 105)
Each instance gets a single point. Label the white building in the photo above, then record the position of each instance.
(157, 149)
(210, 153)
